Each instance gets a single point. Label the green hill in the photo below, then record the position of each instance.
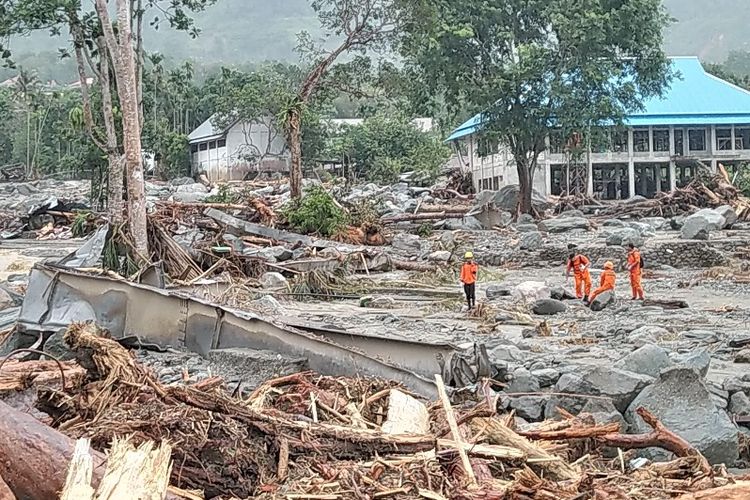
(247, 31)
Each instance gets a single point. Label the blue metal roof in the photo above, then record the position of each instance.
(695, 97)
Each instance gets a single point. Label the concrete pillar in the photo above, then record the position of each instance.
(672, 176)
(631, 176)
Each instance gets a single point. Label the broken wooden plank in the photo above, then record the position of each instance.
(451, 418)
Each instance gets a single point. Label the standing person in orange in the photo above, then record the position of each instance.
(635, 266)
(607, 281)
(579, 264)
(469, 279)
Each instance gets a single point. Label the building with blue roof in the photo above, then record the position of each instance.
(701, 119)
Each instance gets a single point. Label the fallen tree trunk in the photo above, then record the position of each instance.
(34, 458)
(422, 216)
(661, 437)
(448, 209)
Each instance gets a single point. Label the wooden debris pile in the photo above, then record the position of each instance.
(308, 436)
(705, 191)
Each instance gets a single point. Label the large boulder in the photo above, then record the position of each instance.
(647, 360)
(618, 385)
(527, 228)
(739, 404)
(507, 199)
(439, 256)
(613, 223)
(602, 301)
(560, 293)
(531, 241)
(697, 360)
(644, 229)
(624, 236)
(548, 307)
(565, 224)
(522, 381)
(699, 225)
(530, 408)
(682, 402)
(547, 377)
(730, 216)
(531, 291)
(506, 352)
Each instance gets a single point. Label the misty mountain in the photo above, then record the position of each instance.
(242, 32)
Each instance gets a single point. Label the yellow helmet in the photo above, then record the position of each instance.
(609, 265)
(469, 255)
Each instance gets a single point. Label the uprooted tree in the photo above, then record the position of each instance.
(353, 26)
(533, 66)
(114, 55)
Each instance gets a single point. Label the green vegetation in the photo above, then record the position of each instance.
(384, 147)
(316, 212)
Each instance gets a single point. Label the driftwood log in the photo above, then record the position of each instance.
(661, 437)
(738, 491)
(422, 217)
(34, 458)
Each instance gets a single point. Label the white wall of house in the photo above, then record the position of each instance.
(245, 147)
(664, 149)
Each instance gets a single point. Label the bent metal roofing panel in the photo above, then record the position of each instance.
(694, 97)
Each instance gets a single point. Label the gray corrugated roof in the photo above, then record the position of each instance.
(207, 130)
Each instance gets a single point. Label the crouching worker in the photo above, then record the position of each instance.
(579, 264)
(469, 279)
(607, 281)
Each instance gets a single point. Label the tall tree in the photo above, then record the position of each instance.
(351, 26)
(530, 66)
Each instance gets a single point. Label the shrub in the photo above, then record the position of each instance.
(316, 212)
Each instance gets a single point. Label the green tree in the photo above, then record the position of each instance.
(533, 65)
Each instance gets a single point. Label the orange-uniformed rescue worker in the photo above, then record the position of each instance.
(579, 264)
(607, 281)
(469, 279)
(635, 266)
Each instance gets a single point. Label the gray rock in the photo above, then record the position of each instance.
(530, 408)
(697, 360)
(252, 366)
(525, 219)
(182, 181)
(522, 381)
(548, 307)
(739, 404)
(439, 256)
(647, 360)
(530, 291)
(268, 305)
(560, 293)
(602, 301)
(676, 223)
(571, 212)
(527, 228)
(407, 242)
(645, 230)
(506, 352)
(730, 216)
(26, 189)
(624, 236)
(468, 223)
(621, 386)
(657, 223)
(613, 223)
(273, 280)
(564, 225)
(649, 334)
(493, 292)
(681, 401)
(547, 377)
(531, 241)
(699, 225)
(604, 412)
(507, 198)
(271, 254)
(56, 346)
(734, 385)
(189, 197)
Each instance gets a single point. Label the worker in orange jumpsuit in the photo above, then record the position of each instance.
(635, 266)
(579, 264)
(469, 279)
(607, 281)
